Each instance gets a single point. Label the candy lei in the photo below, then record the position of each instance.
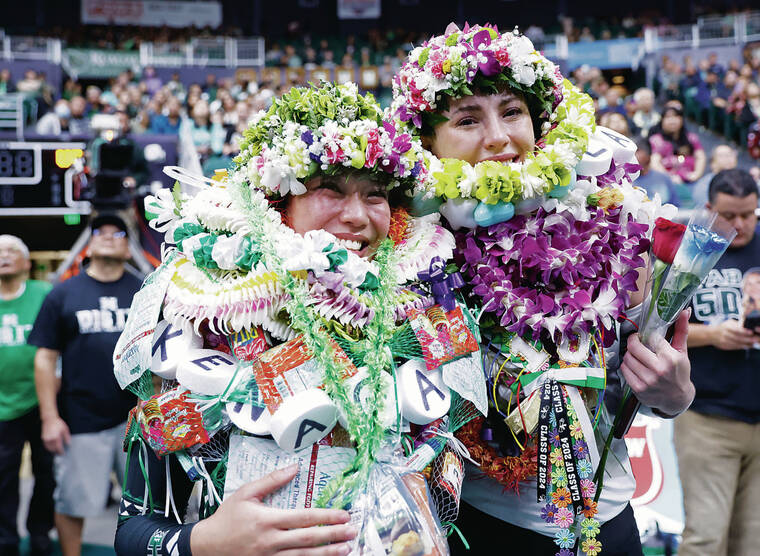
(364, 428)
(223, 279)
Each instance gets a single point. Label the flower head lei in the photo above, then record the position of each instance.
(229, 232)
(325, 130)
(461, 62)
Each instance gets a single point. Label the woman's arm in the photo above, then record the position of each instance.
(700, 162)
(242, 525)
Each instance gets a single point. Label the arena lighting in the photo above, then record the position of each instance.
(64, 158)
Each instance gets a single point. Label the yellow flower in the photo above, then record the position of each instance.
(446, 66)
(592, 547)
(609, 197)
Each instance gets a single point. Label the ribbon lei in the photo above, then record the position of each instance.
(441, 284)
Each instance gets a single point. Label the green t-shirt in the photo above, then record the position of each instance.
(17, 393)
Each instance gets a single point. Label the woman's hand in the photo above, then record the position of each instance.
(243, 525)
(661, 379)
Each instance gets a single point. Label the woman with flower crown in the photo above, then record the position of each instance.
(304, 246)
(550, 236)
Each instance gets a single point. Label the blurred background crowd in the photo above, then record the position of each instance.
(690, 109)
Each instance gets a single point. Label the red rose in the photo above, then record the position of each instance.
(666, 238)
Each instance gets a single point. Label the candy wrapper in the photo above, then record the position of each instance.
(444, 336)
(170, 422)
(394, 515)
(288, 369)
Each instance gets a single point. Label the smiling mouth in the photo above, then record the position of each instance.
(504, 158)
(351, 245)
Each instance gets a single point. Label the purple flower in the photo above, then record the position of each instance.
(481, 38)
(548, 512)
(581, 449)
(555, 438)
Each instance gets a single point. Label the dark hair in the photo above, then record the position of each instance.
(642, 144)
(735, 182)
(681, 141)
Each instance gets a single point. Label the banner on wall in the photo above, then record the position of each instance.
(98, 63)
(658, 499)
(358, 9)
(152, 14)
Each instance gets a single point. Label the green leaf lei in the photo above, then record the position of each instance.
(373, 350)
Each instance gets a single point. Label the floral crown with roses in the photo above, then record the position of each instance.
(325, 130)
(480, 59)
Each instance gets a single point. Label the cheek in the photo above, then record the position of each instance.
(450, 143)
(380, 216)
(310, 211)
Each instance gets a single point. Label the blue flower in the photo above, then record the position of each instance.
(584, 468)
(554, 437)
(564, 538)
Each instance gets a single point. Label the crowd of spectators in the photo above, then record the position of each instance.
(690, 101)
(689, 95)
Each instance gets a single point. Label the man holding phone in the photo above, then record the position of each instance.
(718, 439)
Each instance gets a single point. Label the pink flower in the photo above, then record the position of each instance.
(374, 151)
(563, 518)
(334, 154)
(502, 55)
(588, 488)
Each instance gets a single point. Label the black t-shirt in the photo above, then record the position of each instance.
(727, 382)
(82, 318)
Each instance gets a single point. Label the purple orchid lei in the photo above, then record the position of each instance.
(549, 271)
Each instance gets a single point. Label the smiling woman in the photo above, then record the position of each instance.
(353, 208)
(550, 234)
(301, 270)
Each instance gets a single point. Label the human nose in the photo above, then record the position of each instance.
(354, 210)
(496, 135)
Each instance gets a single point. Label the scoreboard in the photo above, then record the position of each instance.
(37, 178)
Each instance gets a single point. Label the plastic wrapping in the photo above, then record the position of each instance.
(395, 515)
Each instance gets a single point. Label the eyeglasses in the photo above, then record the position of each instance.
(115, 235)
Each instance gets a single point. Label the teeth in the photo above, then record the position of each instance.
(349, 244)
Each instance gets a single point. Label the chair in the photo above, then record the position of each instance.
(12, 113)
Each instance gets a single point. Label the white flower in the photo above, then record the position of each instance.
(524, 74)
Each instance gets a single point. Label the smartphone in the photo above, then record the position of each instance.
(752, 320)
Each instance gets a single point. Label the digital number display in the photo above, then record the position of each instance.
(16, 163)
(34, 182)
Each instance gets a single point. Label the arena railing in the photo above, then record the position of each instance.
(217, 51)
(708, 31)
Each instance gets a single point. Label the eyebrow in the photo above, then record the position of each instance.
(506, 99)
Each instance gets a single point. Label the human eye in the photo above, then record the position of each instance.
(378, 194)
(513, 112)
(329, 185)
(466, 121)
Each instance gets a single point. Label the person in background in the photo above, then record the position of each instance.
(6, 85)
(674, 150)
(654, 182)
(168, 124)
(84, 412)
(56, 121)
(645, 116)
(20, 301)
(79, 124)
(723, 157)
(716, 440)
